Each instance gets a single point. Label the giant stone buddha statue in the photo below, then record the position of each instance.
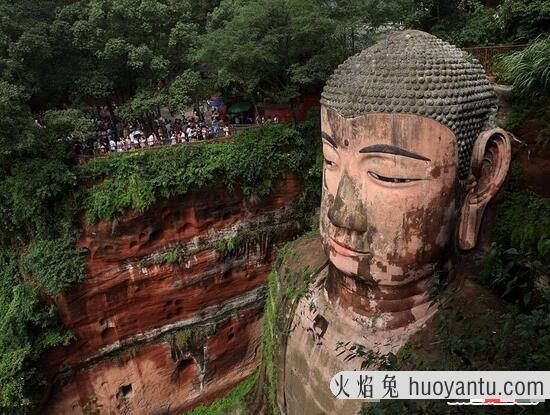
(411, 160)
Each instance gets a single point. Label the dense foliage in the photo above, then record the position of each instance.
(27, 328)
(518, 267)
(233, 402)
(95, 50)
(54, 264)
(528, 71)
(470, 23)
(37, 256)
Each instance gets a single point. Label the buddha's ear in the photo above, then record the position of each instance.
(491, 158)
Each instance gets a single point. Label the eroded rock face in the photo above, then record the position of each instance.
(169, 314)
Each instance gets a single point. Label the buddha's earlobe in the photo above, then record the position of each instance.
(491, 158)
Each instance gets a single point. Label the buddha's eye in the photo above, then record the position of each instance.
(391, 179)
(329, 163)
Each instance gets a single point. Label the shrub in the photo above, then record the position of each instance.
(233, 402)
(55, 264)
(73, 121)
(173, 257)
(225, 246)
(27, 328)
(518, 263)
(528, 71)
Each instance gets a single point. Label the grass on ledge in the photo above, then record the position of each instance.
(232, 403)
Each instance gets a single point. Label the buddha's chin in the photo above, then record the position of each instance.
(346, 264)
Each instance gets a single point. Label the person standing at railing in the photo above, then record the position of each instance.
(215, 127)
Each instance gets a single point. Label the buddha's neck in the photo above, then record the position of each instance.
(383, 306)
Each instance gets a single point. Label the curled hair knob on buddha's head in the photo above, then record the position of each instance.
(413, 72)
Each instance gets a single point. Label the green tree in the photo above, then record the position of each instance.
(71, 121)
(277, 49)
(186, 89)
(124, 45)
(525, 20)
(144, 106)
(16, 126)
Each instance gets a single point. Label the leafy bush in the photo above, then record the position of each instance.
(518, 263)
(37, 214)
(253, 160)
(27, 328)
(482, 27)
(74, 121)
(233, 402)
(528, 70)
(36, 195)
(191, 339)
(524, 20)
(173, 257)
(523, 222)
(225, 246)
(55, 264)
(144, 104)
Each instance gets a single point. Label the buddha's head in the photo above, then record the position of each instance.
(411, 161)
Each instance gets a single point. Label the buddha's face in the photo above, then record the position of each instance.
(389, 193)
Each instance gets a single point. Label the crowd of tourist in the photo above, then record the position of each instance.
(116, 135)
(126, 136)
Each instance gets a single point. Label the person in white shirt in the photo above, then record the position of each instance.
(151, 140)
(112, 144)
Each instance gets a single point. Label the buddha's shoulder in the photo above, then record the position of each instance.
(469, 320)
(301, 259)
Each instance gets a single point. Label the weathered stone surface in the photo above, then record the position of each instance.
(133, 300)
(146, 380)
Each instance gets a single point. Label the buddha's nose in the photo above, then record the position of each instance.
(348, 211)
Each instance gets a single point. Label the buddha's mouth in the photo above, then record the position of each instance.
(345, 250)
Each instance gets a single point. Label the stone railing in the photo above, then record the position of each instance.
(487, 54)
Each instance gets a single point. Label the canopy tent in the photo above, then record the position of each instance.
(238, 107)
(216, 103)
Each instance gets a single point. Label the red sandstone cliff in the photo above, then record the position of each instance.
(169, 315)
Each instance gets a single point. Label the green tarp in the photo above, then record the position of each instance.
(238, 107)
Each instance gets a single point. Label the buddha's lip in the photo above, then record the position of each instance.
(344, 250)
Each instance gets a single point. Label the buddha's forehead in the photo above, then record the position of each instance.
(406, 131)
